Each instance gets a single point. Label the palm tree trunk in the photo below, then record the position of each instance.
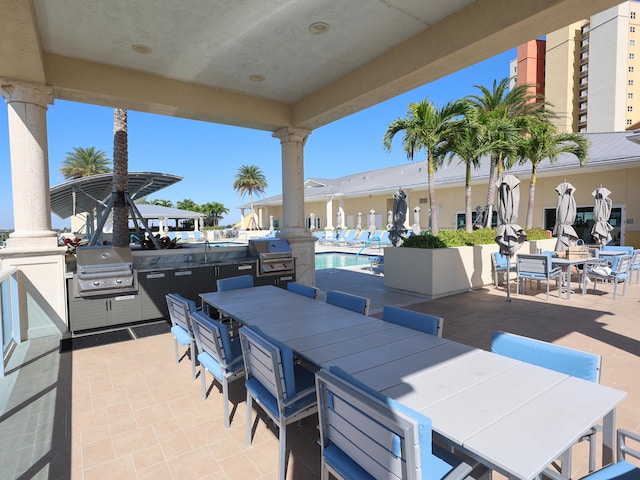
(491, 191)
(468, 222)
(532, 196)
(433, 212)
(120, 178)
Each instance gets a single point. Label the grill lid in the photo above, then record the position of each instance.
(258, 246)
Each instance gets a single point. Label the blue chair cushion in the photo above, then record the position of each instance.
(342, 463)
(286, 355)
(181, 335)
(347, 301)
(554, 357)
(211, 364)
(410, 319)
(233, 283)
(621, 470)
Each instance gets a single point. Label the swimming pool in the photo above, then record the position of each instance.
(339, 260)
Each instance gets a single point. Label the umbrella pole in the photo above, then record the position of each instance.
(508, 277)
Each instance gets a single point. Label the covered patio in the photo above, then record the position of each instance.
(87, 413)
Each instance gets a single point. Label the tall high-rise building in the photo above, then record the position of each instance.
(591, 71)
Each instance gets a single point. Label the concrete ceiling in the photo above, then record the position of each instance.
(200, 59)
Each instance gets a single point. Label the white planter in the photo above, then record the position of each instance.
(439, 272)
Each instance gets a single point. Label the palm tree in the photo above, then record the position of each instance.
(249, 180)
(84, 162)
(213, 211)
(469, 141)
(541, 141)
(161, 202)
(188, 204)
(502, 111)
(120, 179)
(426, 127)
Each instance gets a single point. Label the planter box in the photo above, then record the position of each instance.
(435, 273)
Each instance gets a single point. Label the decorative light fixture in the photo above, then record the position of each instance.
(256, 78)
(318, 28)
(141, 49)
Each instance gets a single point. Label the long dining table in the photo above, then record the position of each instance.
(514, 417)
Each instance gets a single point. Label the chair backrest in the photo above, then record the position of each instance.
(171, 235)
(621, 264)
(179, 309)
(301, 289)
(364, 236)
(384, 239)
(618, 248)
(416, 320)
(499, 260)
(355, 303)
(212, 337)
(538, 264)
(196, 235)
(383, 437)
(234, 283)
(269, 363)
(554, 357)
(635, 262)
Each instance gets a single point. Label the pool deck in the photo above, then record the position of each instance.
(126, 410)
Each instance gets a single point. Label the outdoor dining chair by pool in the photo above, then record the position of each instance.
(283, 389)
(234, 283)
(621, 470)
(499, 263)
(306, 290)
(181, 328)
(218, 354)
(416, 320)
(565, 360)
(618, 272)
(355, 303)
(366, 435)
(635, 267)
(539, 268)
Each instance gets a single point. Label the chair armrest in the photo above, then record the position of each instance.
(299, 395)
(623, 448)
(233, 362)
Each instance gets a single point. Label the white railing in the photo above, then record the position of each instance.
(9, 313)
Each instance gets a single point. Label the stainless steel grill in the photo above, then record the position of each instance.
(104, 270)
(274, 255)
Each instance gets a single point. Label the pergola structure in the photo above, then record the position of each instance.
(282, 66)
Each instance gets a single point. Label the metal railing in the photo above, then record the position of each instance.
(9, 313)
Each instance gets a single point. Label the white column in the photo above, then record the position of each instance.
(293, 228)
(329, 227)
(27, 114)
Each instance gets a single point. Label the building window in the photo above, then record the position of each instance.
(630, 69)
(630, 108)
(633, 15)
(632, 29)
(629, 122)
(629, 95)
(629, 82)
(632, 43)
(632, 56)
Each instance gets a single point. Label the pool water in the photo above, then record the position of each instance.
(339, 260)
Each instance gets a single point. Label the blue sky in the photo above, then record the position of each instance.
(208, 155)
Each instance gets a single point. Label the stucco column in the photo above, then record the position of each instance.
(329, 227)
(27, 114)
(293, 228)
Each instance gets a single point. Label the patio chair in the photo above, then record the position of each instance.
(355, 303)
(539, 268)
(234, 283)
(181, 328)
(416, 320)
(358, 241)
(635, 267)
(561, 359)
(218, 354)
(197, 235)
(283, 389)
(366, 435)
(621, 470)
(349, 237)
(499, 262)
(385, 241)
(306, 290)
(619, 272)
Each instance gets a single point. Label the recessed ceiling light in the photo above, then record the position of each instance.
(318, 28)
(141, 49)
(256, 78)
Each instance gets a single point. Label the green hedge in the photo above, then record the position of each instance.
(462, 238)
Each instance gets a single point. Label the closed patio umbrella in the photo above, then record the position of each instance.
(601, 231)
(565, 216)
(510, 235)
(398, 218)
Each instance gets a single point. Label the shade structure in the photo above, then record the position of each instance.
(510, 235)
(565, 216)
(398, 219)
(601, 230)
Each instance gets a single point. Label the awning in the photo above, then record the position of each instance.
(85, 194)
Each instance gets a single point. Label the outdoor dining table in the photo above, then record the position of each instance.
(514, 417)
(568, 263)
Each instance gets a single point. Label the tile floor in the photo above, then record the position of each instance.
(127, 411)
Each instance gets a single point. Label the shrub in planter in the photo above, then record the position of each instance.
(461, 238)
